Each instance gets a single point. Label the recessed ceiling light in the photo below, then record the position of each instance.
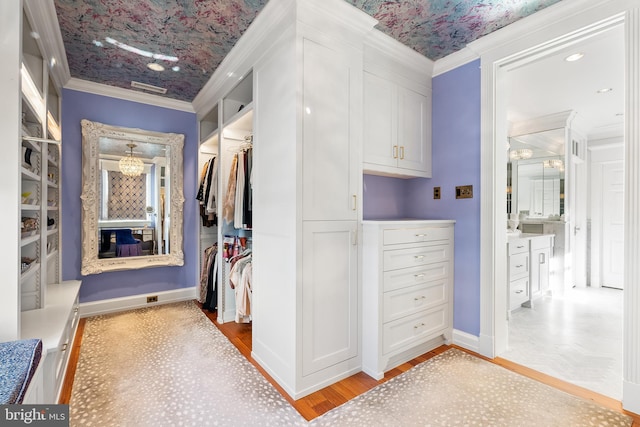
(175, 68)
(574, 57)
(155, 66)
(605, 90)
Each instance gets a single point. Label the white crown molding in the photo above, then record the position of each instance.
(127, 95)
(263, 31)
(319, 14)
(542, 123)
(43, 18)
(453, 61)
(397, 51)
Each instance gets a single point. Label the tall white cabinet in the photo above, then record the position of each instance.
(307, 60)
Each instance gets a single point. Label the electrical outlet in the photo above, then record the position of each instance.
(436, 192)
(153, 298)
(464, 192)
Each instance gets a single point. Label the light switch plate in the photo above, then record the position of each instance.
(464, 192)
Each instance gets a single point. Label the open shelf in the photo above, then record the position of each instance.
(29, 207)
(30, 272)
(31, 239)
(27, 174)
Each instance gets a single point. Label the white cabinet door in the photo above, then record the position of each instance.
(414, 135)
(330, 161)
(329, 294)
(380, 144)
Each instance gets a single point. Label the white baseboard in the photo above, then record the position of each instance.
(631, 397)
(465, 340)
(114, 305)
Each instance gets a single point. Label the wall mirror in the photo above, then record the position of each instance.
(538, 174)
(132, 198)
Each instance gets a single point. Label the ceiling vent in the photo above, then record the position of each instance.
(149, 88)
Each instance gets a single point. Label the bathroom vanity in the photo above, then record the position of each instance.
(529, 267)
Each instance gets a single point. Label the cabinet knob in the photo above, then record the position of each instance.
(418, 326)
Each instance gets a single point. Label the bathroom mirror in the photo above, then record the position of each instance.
(537, 179)
(132, 198)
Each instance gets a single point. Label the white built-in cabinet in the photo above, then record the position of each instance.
(35, 303)
(529, 268)
(397, 114)
(407, 291)
(307, 60)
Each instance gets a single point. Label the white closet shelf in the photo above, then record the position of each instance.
(52, 184)
(27, 174)
(52, 254)
(33, 269)
(52, 231)
(52, 208)
(30, 142)
(30, 207)
(241, 120)
(52, 162)
(32, 139)
(28, 240)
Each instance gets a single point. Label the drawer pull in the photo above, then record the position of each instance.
(519, 265)
(418, 326)
(419, 298)
(417, 276)
(395, 151)
(519, 291)
(419, 256)
(64, 347)
(421, 235)
(519, 247)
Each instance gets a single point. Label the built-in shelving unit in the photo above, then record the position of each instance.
(36, 304)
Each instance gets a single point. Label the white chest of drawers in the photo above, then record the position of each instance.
(407, 295)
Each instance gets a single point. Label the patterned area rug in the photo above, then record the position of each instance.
(169, 366)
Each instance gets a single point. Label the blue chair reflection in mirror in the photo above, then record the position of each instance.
(124, 244)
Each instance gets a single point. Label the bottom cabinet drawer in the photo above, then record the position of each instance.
(414, 329)
(518, 292)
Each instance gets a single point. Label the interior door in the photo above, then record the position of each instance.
(612, 259)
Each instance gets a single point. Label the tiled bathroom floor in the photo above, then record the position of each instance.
(577, 339)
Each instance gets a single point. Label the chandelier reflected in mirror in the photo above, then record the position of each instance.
(521, 154)
(131, 165)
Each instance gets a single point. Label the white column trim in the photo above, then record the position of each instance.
(631, 360)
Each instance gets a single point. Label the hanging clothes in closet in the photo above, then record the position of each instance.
(240, 279)
(208, 193)
(239, 197)
(208, 278)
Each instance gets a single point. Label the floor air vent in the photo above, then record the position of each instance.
(149, 88)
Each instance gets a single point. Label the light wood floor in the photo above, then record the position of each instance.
(330, 397)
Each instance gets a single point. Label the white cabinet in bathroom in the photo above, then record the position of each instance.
(529, 259)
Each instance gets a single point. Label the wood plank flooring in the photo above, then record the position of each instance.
(330, 397)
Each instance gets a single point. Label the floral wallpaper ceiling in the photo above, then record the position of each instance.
(113, 41)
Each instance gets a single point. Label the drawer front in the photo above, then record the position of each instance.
(518, 265)
(412, 330)
(415, 235)
(414, 299)
(518, 292)
(518, 246)
(398, 279)
(422, 255)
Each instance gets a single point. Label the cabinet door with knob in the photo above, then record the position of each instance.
(397, 129)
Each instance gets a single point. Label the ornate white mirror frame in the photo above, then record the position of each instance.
(92, 132)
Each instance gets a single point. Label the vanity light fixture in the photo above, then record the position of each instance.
(574, 57)
(554, 163)
(130, 165)
(521, 154)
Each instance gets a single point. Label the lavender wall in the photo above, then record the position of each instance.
(80, 105)
(456, 161)
(384, 197)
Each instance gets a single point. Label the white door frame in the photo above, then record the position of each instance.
(559, 25)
